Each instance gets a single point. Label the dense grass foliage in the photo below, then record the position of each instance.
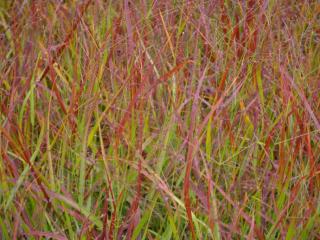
(145, 119)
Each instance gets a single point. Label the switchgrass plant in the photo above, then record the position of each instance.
(159, 119)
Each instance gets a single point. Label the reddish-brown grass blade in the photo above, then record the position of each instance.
(303, 98)
(67, 39)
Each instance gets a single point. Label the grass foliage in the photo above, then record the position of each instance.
(143, 119)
